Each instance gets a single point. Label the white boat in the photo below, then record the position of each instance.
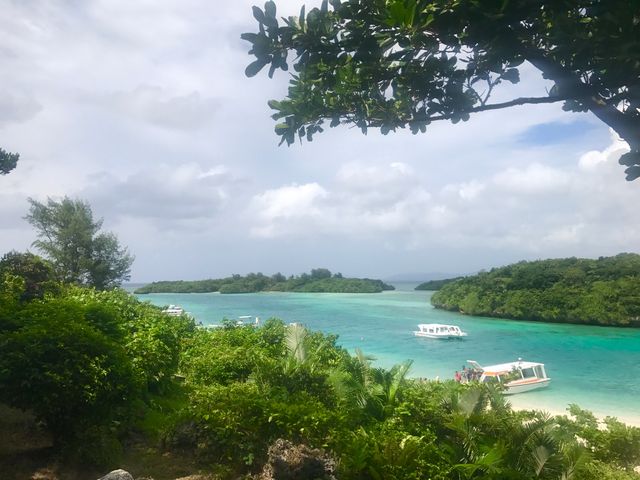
(437, 330)
(517, 377)
(173, 310)
(248, 320)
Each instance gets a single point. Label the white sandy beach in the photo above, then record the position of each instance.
(521, 402)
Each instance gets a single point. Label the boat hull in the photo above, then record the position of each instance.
(431, 335)
(526, 387)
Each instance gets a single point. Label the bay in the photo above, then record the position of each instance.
(597, 368)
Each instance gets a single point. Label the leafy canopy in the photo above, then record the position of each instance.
(393, 64)
(71, 238)
(8, 161)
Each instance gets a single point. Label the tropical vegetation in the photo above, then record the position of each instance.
(394, 64)
(605, 291)
(436, 284)
(8, 161)
(100, 367)
(319, 280)
(71, 239)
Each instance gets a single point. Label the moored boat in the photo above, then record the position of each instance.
(173, 310)
(437, 330)
(516, 377)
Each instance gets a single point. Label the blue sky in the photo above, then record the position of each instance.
(142, 108)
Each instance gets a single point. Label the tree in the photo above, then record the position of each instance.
(71, 238)
(37, 273)
(395, 64)
(8, 161)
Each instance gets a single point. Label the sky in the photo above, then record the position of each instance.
(143, 110)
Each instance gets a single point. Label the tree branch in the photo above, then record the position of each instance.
(511, 103)
(518, 101)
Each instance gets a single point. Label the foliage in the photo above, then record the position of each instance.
(70, 374)
(436, 284)
(408, 63)
(571, 290)
(94, 365)
(610, 442)
(71, 238)
(85, 361)
(320, 280)
(37, 273)
(8, 161)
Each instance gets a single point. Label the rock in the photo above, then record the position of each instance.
(117, 475)
(297, 462)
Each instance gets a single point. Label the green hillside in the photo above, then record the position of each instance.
(605, 291)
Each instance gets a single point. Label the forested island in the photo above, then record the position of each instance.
(605, 291)
(320, 280)
(436, 284)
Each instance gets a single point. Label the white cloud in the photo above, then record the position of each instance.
(593, 158)
(533, 179)
(534, 209)
(279, 208)
(169, 198)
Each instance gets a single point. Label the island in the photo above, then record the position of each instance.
(436, 284)
(605, 291)
(320, 280)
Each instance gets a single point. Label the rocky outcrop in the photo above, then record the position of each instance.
(117, 475)
(294, 462)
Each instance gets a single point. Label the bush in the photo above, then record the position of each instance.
(67, 372)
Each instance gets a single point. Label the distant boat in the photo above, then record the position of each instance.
(437, 330)
(248, 320)
(173, 310)
(517, 377)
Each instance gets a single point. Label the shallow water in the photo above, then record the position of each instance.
(595, 367)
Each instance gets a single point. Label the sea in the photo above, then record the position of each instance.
(597, 368)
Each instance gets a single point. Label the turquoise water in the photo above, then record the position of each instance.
(595, 367)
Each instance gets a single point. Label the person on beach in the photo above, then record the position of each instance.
(458, 377)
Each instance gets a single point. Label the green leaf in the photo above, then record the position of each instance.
(270, 9)
(258, 14)
(632, 173)
(249, 37)
(281, 128)
(629, 159)
(254, 67)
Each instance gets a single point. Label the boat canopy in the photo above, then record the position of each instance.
(492, 370)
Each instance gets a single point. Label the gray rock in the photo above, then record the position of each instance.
(288, 461)
(117, 475)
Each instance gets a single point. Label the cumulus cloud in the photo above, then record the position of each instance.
(534, 208)
(363, 199)
(594, 159)
(533, 179)
(168, 197)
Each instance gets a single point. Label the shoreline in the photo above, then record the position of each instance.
(520, 404)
